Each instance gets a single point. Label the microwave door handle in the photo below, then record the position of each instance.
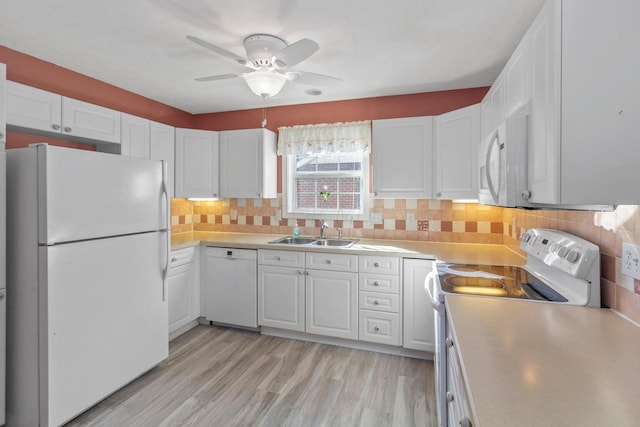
(487, 167)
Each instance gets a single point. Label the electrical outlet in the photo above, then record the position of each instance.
(376, 217)
(631, 259)
(411, 218)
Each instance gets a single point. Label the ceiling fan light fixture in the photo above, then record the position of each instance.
(265, 83)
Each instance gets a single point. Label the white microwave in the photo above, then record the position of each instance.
(502, 162)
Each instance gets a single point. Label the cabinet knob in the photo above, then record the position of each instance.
(449, 396)
(67, 129)
(278, 258)
(300, 272)
(465, 422)
(448, 342)
(329, 261)
(376, 328)
(376, 283)
(375, 302)
(259, 195)
(55, 127)
(174, 259)
(376, 264)
(215, 194)
(1, 135)
(375, 193)
(526, 195)
(438, 194)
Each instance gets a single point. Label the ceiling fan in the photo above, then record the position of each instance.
(271, 60)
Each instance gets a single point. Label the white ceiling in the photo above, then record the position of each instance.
(378, 47)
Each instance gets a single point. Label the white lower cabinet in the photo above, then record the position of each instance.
(379, 300)
(183, 290)
(418, 327)
(332, 303)
(281, 300)
(458, 406)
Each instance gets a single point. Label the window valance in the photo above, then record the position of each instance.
(327, 137)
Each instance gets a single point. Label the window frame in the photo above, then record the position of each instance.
(287, 192)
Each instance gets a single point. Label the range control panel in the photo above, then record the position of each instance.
(561, 250)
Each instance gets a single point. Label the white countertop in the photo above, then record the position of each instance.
(540, 364)
(471, 253)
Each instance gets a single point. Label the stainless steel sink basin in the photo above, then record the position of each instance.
(334, 242)
(290, 240)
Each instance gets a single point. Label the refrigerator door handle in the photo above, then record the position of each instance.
(165, 195)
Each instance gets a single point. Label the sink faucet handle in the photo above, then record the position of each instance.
(339, 233)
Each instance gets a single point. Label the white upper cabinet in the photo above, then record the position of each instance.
(83, 120)
(583, 126)
(197, 163)
(248, 164)
(33, 109)
(38, 111)
(457, 135)
(492, 108)
(402, 157)
(135, 136)
(162, 147)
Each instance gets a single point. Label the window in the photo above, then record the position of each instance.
(331, 185)
(325, 170)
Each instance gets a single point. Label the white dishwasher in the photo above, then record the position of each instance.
(229, 286)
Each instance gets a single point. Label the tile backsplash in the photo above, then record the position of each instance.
(438, 221)
(402, 219)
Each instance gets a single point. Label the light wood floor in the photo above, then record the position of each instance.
(225, 377)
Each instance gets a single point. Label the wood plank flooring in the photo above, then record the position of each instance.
(226, 377)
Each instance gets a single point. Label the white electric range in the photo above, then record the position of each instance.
(561, 269)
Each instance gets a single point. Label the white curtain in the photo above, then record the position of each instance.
(326, 137)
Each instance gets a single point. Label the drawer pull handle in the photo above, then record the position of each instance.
(329, 261)
(55, 127)
(449, 396)
(375, 328)
(174, 259)
(375, 264)
(375, 302)
(376, 283)
(67, 129)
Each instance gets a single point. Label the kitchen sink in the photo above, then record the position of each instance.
(290, 240)
(334, 242)
(314, 241)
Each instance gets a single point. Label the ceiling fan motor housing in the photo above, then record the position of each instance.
(261, 48)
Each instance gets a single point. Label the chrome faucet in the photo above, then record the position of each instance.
(323, 227)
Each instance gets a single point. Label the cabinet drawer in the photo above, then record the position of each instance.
(281, 258)
(379, 302)
(333, 262)
(181, 256)
(379, 264)
(379, 283)
(379, 327)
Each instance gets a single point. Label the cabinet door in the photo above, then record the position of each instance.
(196, 163)
(31, 108)
(135, 136)
(179, 283)
(402, 157)
(332, 304)
(544, 138)
(456, 153)
(281, 297)
(492, 108)
(248, 163)
(418, 331)
(517, 74)
(84, 120)
(162, 147)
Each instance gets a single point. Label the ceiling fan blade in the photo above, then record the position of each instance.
(240, 60)
(313, 79)
(294, 53)
(219, 77)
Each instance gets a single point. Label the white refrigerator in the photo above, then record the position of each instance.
(87, 256)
